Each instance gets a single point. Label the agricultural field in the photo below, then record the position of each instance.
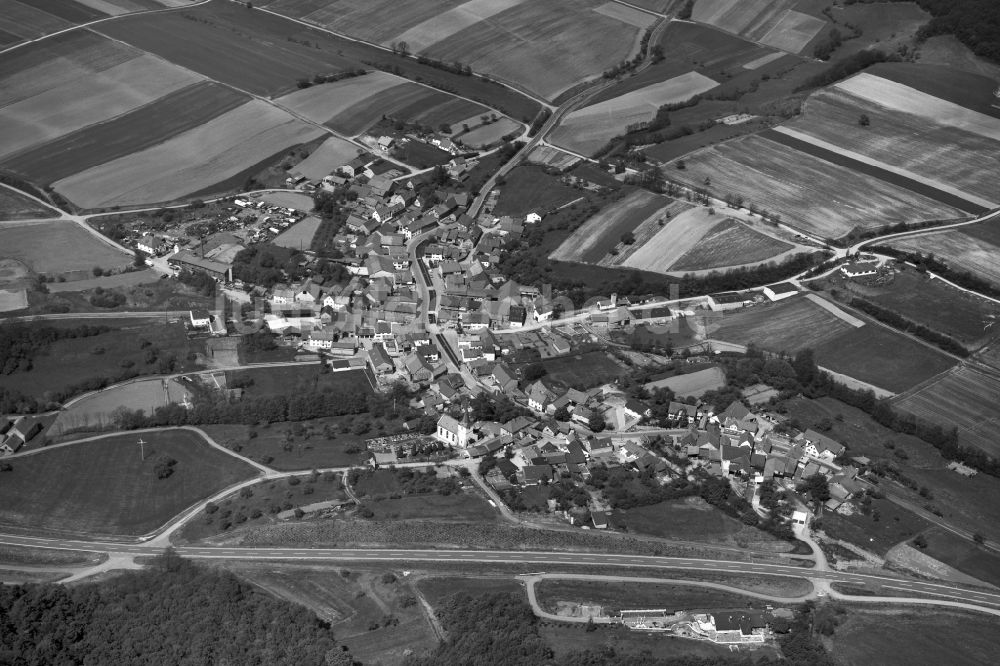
(786, 326)
(292, 380)
(965, 143)
(552, 157)
(117, 137)
(617, 596)
(967, 398)
(602, 232)
(905, 637)
(224, 146)
(488, 134)
(508, 40)
(811, 194)
(350, 106)
(971, 248)
(584, 371)
(967, 557)
(331, 154)
(882, 357)
(775, 23)
(16, 206)
(59, 248)
(104, 486)
(586, 130)
(692, 384)
(299, 236)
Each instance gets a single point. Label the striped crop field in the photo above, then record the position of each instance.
(543, 47)
(775, 23)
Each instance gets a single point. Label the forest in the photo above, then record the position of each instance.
(176, 612)
(976, 23)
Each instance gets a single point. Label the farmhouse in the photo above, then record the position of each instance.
(858, 269)
(185, 260)
(727, 301)
(200, 318)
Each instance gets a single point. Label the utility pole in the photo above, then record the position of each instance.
(142, 448)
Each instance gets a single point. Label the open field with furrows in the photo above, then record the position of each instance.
(331, 154)
(58, 248)
(489, 134)
(692, 384)
(192, 161)
(966, 317)
(133, 131)
(969, 248)
(730, 243)
(553, 157)
(105, 487)
(19, 22)
(914, 636)
(352, 105)
(530, 190)
(786, 326)
(372, 611)
(588, 129)
(16, 206)
(775, 23)
(601, 233)
(883, 357)
(811, 194)
(967, 398)
(544, 47)
(87, 100)
(906, 138)
(22, 20)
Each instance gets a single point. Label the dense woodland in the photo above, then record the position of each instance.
(176, 613)
(976, 23)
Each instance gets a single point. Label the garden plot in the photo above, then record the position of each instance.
(692, 384)
(88, 100)
(809, 193)
(192, 161)
(586, 130)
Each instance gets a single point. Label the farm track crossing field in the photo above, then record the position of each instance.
(787, 326)
(809, 193)
(16, 206)
(730, 243)
(906, 139)
(603, 231)
(192, 161)
(588, 129)
(104, 487)
(967, 398)
(58, 248)
(87, 100)
(131, 132)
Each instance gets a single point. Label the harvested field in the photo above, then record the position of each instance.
(96, 412)
(223, 41)
(105, 487)
(16, 206)
(590, 128)
(330, 155)
(771, 22)
(529, 189)
(299, 236)
(192, 161)
(545, 47)
(786, 326)
(603, 231)
(693, 384)
(672, 241)
(452, 21)
(898, 97)
(903, 139)
(26, 22)
(882, 357)
(490, 134)
(960, 249)
(730, 243)
(809, 193)
(58, 248)
(553, 157)
(137, 130)
(88, 100)
(967, 398)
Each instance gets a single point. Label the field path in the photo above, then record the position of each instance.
(835, 311)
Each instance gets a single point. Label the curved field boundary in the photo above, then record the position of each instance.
(835, 311)
(600, 233)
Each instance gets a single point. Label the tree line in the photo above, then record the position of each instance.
(898, 321)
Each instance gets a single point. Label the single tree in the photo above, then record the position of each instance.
(864, 120)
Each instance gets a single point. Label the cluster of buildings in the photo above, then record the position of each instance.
(16, 433)
(743, 627)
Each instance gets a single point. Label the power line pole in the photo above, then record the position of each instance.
(142, 448)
